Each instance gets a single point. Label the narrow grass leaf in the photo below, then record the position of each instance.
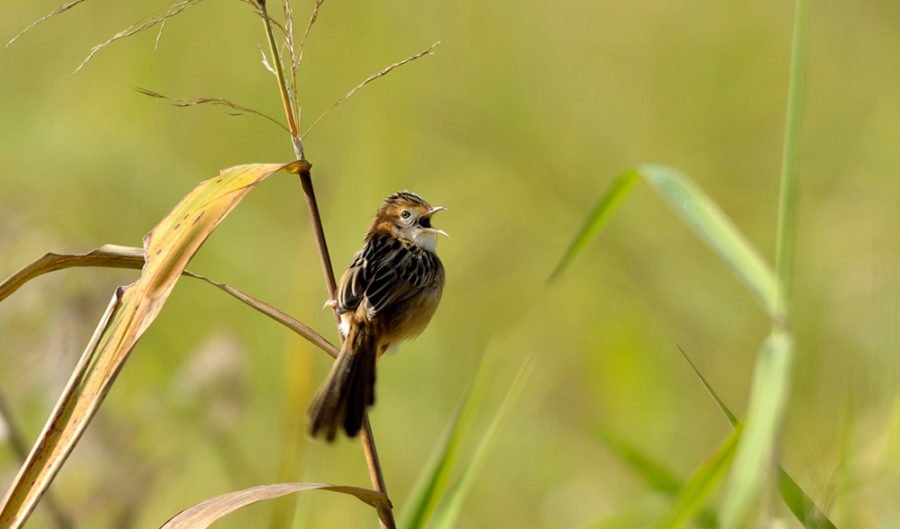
(787, 201)
(598, 218)
(114, 256)
(451, 508)
(800, 504)
(108, 255)
(701, 485)
(755, 454)
(432, 483)
(658, 477)
(712, 393)
(168, 248)
(274, 313)
(714, 228)
(701, 214)
(205, 513)
(655, 474)
(11, 435)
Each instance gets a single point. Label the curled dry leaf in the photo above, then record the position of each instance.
(168, 248)
(203, 514)
(115, 256)
(108, 256)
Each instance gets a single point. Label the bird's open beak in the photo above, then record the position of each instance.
(430, 229)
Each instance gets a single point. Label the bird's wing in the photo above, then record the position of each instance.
(384, 272)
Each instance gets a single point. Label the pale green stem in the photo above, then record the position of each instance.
(787, 204)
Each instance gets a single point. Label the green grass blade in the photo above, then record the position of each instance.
(714, 228)
(699, 487)
(803, 507)
(658, 477)
(597, 219)
(447, 517)
(701, 214)
(768, 399)
(712, 393)
(787, 200)
(432, 483)
(806, 510)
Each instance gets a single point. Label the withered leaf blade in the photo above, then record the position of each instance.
(168, 248)
(108, 255)
(203, 514)
(115, 256)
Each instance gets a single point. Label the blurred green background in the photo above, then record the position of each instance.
(517, 124)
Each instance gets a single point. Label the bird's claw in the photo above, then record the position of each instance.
(331, 303)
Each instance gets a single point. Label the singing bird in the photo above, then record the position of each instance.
(389, 293)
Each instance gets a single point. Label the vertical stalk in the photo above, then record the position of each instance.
(376, 476)
(282, 86)
(784, 250)
(312, 208)
(752, 473)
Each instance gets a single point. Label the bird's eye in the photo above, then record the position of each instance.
(405, 214)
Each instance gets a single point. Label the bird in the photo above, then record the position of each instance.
(389, 293)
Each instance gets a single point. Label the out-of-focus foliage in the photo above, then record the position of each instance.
(517, 124)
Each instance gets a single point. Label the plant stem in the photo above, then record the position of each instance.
(312, 207)
(282, 86)
(367, 438)
(385, 514)
(787, 201)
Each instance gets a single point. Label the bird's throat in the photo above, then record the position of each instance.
(426, 241)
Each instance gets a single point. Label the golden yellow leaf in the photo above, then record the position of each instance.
(168, 248)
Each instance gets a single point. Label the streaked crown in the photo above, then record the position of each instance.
(394, 205)
(406, 215)
(406, 198)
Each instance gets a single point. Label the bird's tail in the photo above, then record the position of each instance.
(349, 390)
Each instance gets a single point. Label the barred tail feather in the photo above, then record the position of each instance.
(349, 389)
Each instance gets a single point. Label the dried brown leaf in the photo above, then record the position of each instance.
(203, 514)
(168, 248)
(114, 256)
(295, 325)
(108, 255)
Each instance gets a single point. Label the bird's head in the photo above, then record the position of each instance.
(406, 215)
